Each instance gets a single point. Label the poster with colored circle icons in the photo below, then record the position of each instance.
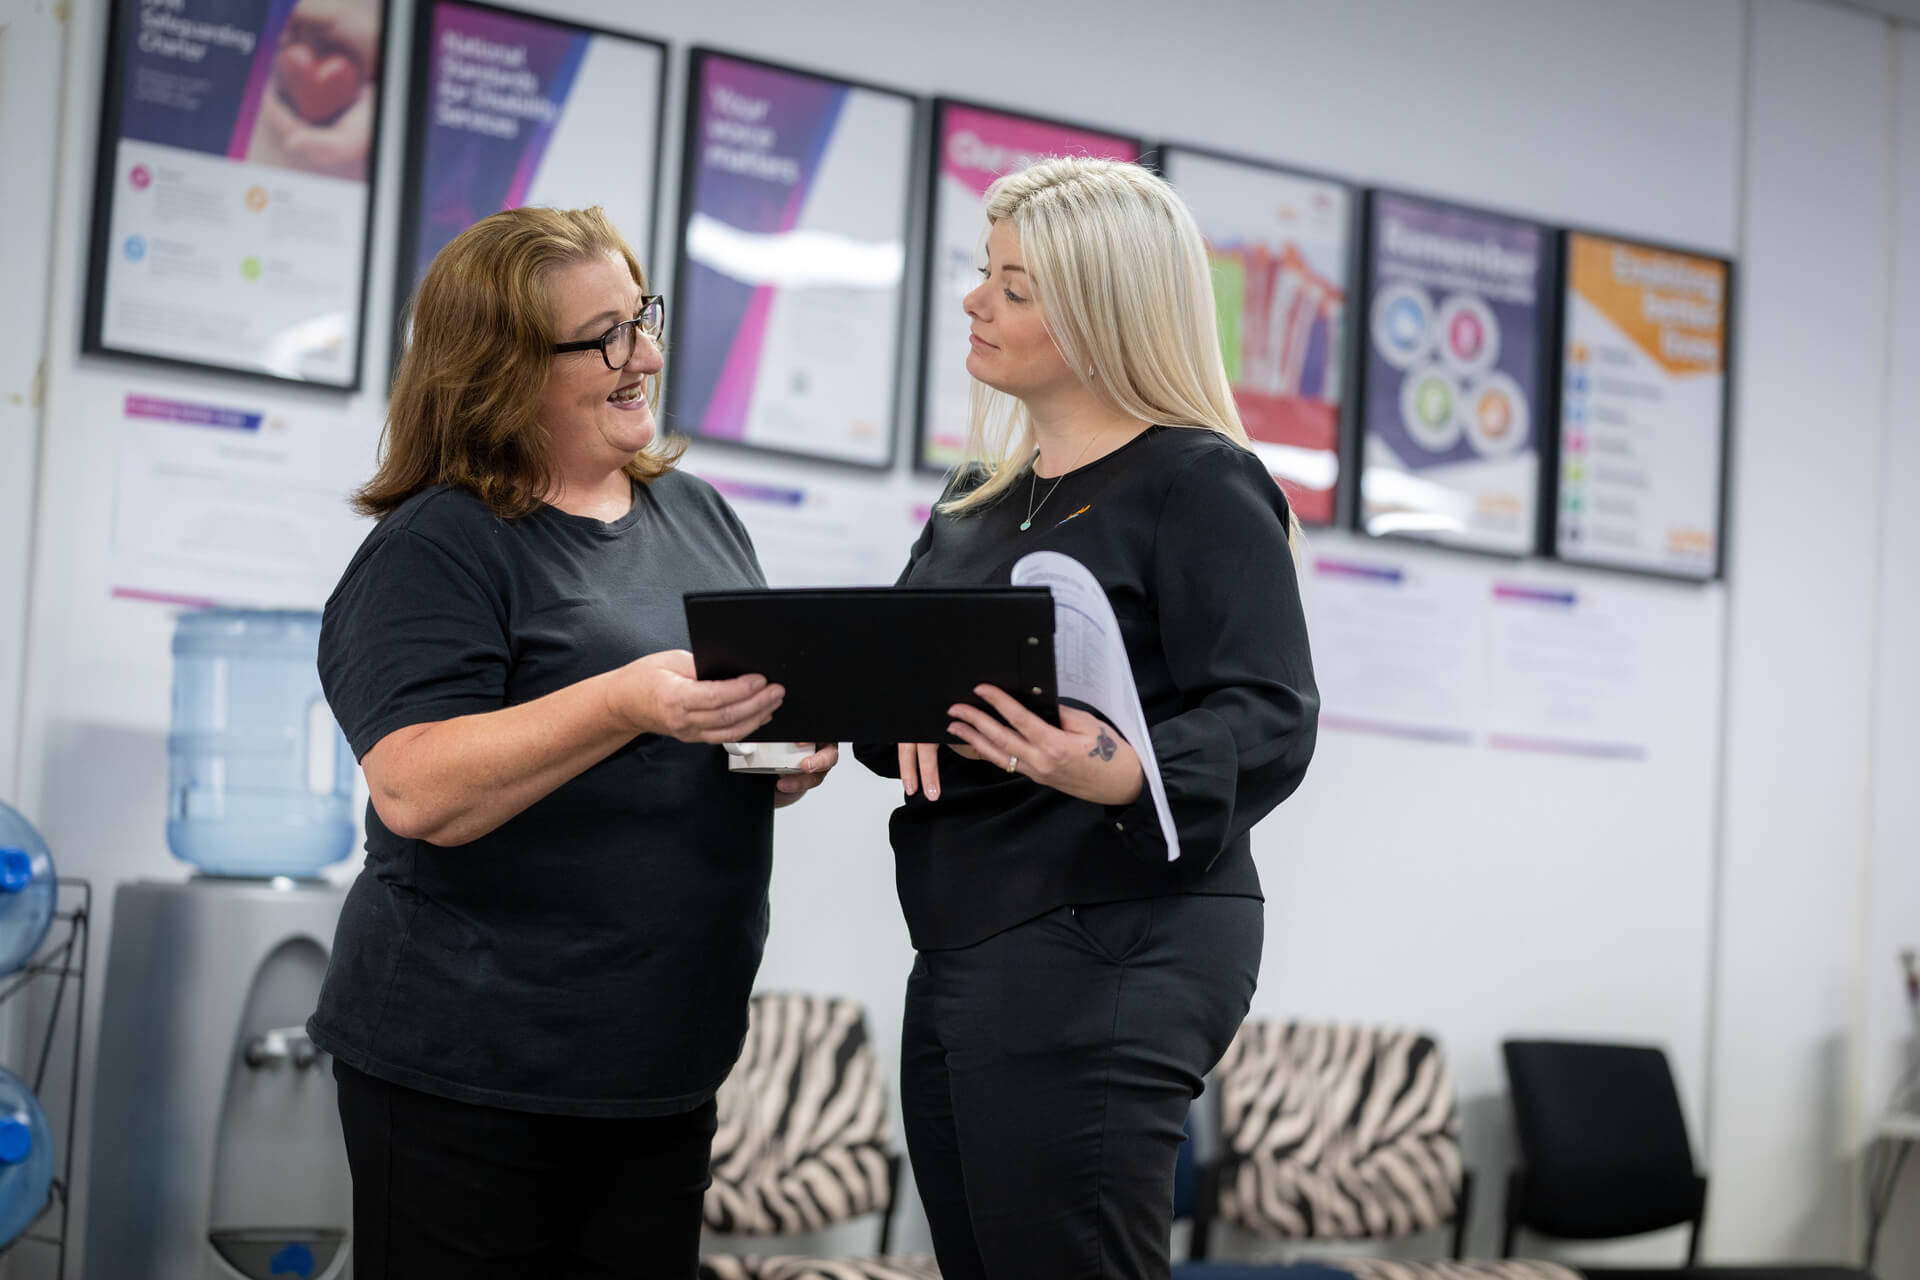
(1643, 405)
(1279, 244)
(511, 109)
(973, 147)
(1452, 375)
(793, 257)
(234, 185)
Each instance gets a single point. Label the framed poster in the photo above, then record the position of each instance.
(785, 331)
(1453, 374)
(512, 109)
(234, 183)
(1643, 407)
(1282, 248)
(973, 145)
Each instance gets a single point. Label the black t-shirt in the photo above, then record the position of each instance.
(594, 954)
(1188, 534)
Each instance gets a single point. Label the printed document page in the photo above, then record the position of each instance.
(1091, 664)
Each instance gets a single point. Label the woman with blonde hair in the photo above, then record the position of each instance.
(540, 979)
(1076, 978)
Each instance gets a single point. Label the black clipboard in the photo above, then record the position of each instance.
(877, 664)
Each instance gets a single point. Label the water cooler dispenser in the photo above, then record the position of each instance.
(27, 901)
(216, 1141)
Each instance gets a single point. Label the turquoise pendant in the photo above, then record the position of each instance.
(1025, 525)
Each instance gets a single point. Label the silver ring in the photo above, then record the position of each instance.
(1013, 764)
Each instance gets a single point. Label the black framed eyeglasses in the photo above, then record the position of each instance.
(616, 344)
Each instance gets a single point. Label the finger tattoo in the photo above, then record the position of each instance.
(1104, 747)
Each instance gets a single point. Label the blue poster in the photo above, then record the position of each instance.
(793, 259)
(1452, 376)
(512, 109)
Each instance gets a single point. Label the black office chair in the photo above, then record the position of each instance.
(1603, 1145)
(1604, 1153)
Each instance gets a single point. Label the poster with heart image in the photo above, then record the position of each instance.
(234, 185)
(1452, 375)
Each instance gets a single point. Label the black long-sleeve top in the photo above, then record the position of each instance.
(1188, 534)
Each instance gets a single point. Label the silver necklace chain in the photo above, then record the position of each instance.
(1033, 481)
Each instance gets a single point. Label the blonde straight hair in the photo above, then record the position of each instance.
(1119, 268)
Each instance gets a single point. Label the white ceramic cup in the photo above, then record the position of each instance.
(767, 757)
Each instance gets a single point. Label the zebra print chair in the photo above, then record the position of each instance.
(1337, 1133)
(804, 1143)
(1340, 1133)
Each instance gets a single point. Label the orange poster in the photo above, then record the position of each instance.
(1643, 407)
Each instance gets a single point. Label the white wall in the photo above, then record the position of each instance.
(1894, 885)
(32, 44)
(1803, 551)
(1473, 893)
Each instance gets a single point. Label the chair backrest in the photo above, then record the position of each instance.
(1602, 1140)
(1505, 1269)
(1336, 1132)
(1186, 1175)
(803, 1136)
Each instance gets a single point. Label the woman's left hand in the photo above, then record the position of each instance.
(791, 786)
(1084, 757)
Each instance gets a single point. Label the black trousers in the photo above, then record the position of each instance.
(446, 1190)
(1046, 1075)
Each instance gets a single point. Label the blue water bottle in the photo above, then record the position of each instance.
(27, 890)
(260, 778)
(26, 1157)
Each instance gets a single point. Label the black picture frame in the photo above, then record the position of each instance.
(682, 309)
(1165, 154)
(121, 25)
(407, 265)
(930, 266)
(1552, 444)
(1546, 339)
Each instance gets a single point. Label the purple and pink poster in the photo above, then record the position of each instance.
(510, 109)
(234, 184)
(1452, 381)
(974, 146)
(793, 246)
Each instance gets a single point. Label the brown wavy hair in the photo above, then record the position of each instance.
(465, 405)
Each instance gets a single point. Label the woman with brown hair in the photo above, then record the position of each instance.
(540, 979)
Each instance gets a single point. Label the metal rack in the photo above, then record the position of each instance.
(61, 960)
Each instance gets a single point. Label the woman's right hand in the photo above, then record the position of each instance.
(920, 768)
(661, 693)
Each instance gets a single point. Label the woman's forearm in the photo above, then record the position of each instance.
(453, 781)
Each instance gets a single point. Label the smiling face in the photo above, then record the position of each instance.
(1009, 347)
(596, 415)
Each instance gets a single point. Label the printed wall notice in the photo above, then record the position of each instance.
(1279, 245)
(234, 182)
(1643, 407)
(234, 502)
(510, 109)
(1566, 670)
(1452, 384)
(840, 530)
(973, 146)
(1397, 646)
